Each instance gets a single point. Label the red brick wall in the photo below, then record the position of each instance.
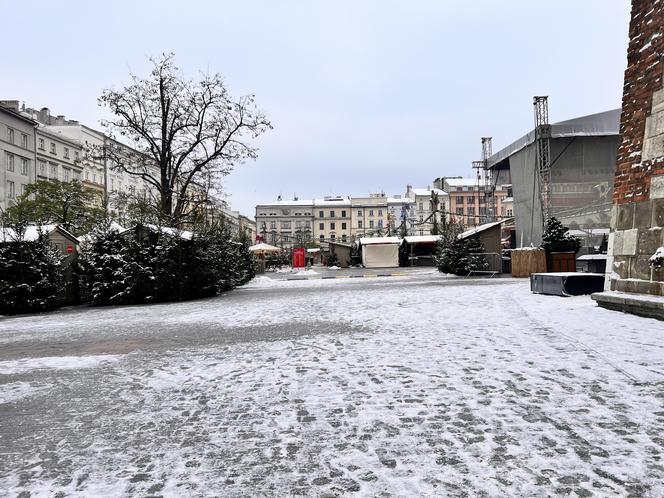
(643, 76)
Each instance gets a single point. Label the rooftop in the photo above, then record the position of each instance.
(601, 124)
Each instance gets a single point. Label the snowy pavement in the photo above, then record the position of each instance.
(409, 386)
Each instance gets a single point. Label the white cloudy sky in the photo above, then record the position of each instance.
(363, 95)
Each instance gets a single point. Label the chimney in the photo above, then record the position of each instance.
(44, 115)
(10, 104)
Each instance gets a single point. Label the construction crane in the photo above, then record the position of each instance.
(543, 150)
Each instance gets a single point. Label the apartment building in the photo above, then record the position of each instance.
(17, 153)
(332, 219)
(58, 157)
(285, 222)
(468, 202)
(421, 212)
(369, 215)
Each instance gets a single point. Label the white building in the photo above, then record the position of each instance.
(285, 222)
(421, 213)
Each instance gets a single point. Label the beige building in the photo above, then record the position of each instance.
(332, 220)
(285, 222)
(369, 215)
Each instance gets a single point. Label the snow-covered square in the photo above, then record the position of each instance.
(415, 385)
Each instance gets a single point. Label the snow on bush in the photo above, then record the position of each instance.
(144, 265)
(657, 259)
(31, 276)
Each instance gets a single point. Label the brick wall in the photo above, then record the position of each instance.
(642, 78)
(638, 211)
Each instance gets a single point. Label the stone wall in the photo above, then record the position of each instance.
(638, 211)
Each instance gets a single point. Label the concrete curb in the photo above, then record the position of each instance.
(348, 276)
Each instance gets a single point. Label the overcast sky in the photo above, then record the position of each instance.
(363, 95)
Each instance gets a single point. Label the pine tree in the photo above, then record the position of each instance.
(31, 276)
(458, 256)
(556, 237)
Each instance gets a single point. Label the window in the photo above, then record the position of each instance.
(320, 214)
(331, 214)
(24, 140)
(509, 212)
(76, 155)
(10, 135)
(370, 212)
(343, 214)
(380, 212)
(471, 211)
(332, 237)
(343, 226)
(359, 212)
(307, 224)
(54, 171)
(65, 173)
(380, 223)
(77, 175)
(459, 210)
(24, 166)
(10, 190)
(10, 162)
(273, 225)
(285, 225)
(53, 149)
(420, 207)
(371, 224)
(322, 238)
(41, 144)
(421, 218)
(343, 238)
(459, 199)
(359, 224)
(42, 168)
(471, 200)
(87, 175)
(24, 189)
(332, 226)
(66, 152)
(321, 226)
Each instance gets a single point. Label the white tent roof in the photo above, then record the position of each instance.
(31, 234)
(262, 246)
(365, 241)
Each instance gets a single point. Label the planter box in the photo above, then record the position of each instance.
(528, 261)
(561, 262)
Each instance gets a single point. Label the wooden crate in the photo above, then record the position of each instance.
(527, 261)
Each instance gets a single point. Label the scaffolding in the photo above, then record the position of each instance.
(543, 151)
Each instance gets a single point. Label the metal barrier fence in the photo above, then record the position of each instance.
(490, 262)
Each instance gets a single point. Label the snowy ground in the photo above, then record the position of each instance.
(399, 386)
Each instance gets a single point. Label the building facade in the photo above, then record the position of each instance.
(468, 202)
(398, 208)
(285, 222)
(422, 216)
(17, 153)
(58, 157)
(332, 220)
(369, 215)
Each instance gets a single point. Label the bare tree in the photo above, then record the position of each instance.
(183, 135)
